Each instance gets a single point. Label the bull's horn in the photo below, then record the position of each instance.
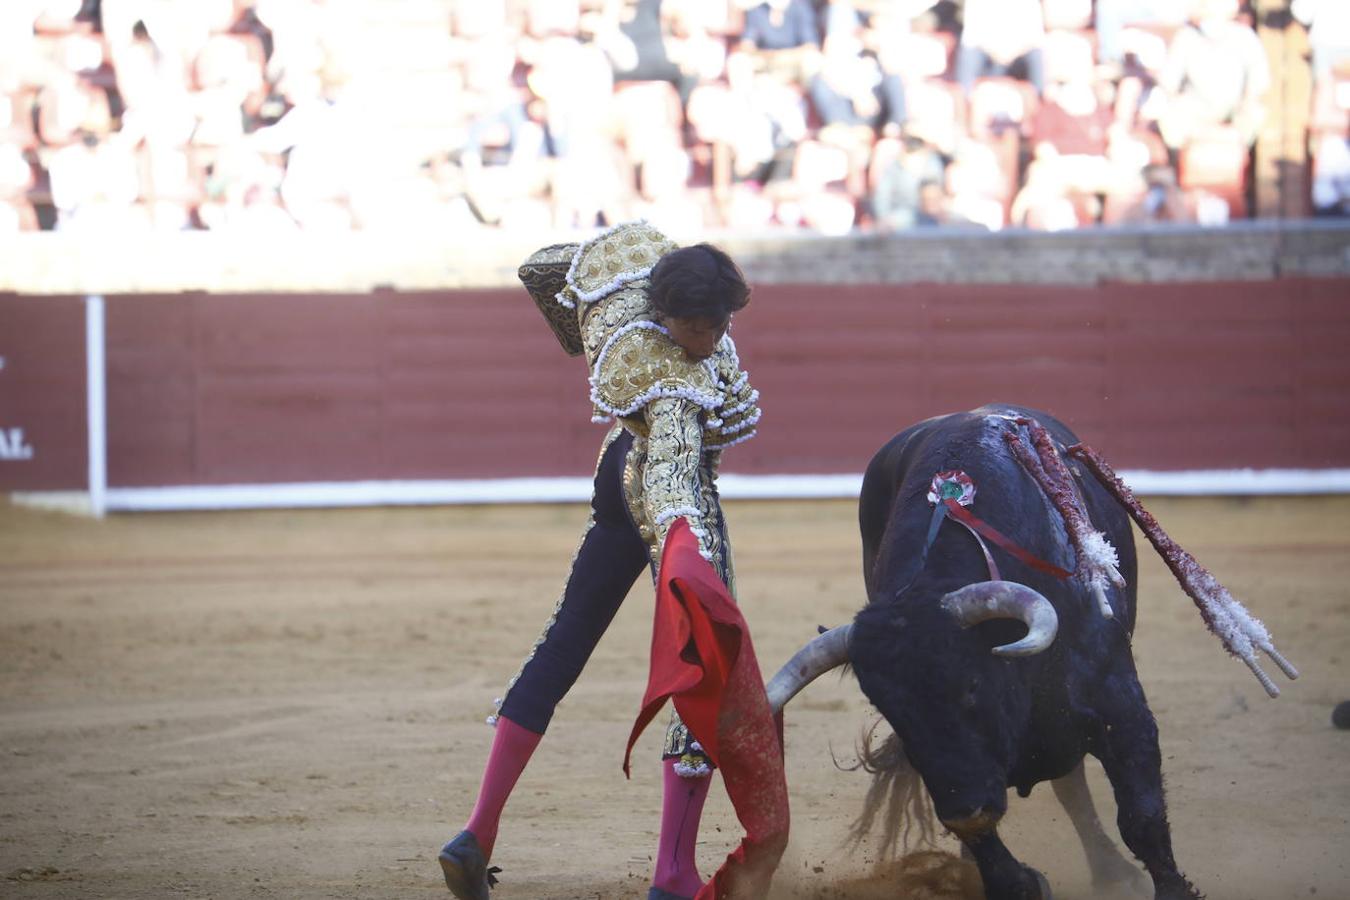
(823, 653)
(976, 603)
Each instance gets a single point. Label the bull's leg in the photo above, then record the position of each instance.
(1133, 763)
(1109, 866)
(1004, 877)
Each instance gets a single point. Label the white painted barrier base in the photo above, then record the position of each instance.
(1240, 482)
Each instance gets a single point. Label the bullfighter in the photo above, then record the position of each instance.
(652, 321)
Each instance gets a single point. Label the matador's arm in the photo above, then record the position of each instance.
(670, 478)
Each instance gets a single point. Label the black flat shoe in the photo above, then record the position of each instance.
(656, 893)
(466, 871)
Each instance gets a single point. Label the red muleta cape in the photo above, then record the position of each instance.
(702, 659)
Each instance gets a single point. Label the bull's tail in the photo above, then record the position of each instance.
(896, 800)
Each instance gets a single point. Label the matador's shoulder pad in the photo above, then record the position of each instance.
(641, 363)
(622, 254)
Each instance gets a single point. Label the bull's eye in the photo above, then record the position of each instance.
(969, 696)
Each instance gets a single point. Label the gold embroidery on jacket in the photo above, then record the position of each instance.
(601, 320)
(678, 478)
(615, 257)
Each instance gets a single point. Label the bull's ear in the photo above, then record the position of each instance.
(987, 600)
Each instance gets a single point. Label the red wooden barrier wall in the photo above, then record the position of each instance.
(210, 389)
(43, 437)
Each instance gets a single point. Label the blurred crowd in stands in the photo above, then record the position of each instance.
(270, 116)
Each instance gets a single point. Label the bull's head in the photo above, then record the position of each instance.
(971, 605)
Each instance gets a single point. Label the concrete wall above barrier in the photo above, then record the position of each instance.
(357, 262)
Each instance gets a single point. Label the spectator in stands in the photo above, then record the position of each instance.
(697, 36)
(70, 106)
(978, 189)
(180, 85)
(664, 198)
(783, 36)
(1216, 75)
(169, 186)
(95, 185)
(152, 83)
(329, 150)
(300, 33)
(1331, 175)
(501, 159)
(1073, 127)
(1328, 23)
(17, 214)
(937, 211)
(850, 93)
(1160, 200)
(820, 193)
(764, 120)
(1111, 18)
(17, 179)
(229, 90)
(592, 179)
(636, 42)
(1001, 37)
(781, 25)
(20, 59)
(1044, 202)
(900, 167)
(903, 54)
(492, 105)
(574, 82)
(241, 192)
(545, 18)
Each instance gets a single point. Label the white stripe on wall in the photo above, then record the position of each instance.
(1244, 482)
(96, 399)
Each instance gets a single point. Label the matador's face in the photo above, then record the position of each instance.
(697, 335)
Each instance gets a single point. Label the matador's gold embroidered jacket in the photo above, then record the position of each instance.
(682, 412)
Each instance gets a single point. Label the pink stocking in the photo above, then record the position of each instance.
(681, 810)
(512, 747)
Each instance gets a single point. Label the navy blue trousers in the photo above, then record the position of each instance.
(611, 557)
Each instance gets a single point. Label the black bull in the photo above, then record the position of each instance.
(975, 722)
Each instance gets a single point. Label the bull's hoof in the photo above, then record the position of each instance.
(1177, 889)
(1026, 884)
(1041, 883)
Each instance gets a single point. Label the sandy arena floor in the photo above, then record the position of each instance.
(290, 704)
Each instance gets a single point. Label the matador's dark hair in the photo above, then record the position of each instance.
(698, 282)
